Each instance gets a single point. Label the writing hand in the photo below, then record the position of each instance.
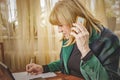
(34, 68)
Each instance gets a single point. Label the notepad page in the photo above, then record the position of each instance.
(25, 76)
(21, 76)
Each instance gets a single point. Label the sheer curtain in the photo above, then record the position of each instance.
(48, 49)
(97, 7)
(29, 34)
(37, 38)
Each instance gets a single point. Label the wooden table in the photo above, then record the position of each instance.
(61, 76)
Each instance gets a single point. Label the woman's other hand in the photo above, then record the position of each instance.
(34, 69)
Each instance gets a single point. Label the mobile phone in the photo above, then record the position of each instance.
(81, 20)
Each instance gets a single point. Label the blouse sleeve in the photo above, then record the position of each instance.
(54, 66)
(92, 69)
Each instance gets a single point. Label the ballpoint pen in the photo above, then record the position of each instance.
(31, 60)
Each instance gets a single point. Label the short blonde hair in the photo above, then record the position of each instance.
(66, 11)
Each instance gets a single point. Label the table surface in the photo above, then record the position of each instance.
(61, 76)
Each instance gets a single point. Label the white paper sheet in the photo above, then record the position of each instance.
(25, 76)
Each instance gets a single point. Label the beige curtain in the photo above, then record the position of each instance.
(36, 35)
(47, 45)
(30, 35)
(97, 7)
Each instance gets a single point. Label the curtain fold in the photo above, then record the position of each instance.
(97, 7)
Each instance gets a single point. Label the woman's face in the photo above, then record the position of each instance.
(65, 30)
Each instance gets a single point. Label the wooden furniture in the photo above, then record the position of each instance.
(61, 76)
(2, 51)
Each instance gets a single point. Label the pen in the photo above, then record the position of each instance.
(31, 60)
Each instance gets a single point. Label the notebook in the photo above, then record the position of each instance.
(6, 74)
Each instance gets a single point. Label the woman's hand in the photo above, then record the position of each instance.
(82, 38)
(34, 68)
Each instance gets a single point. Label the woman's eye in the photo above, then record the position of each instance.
(60, 25)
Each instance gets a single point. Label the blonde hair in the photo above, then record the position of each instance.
(66, 11)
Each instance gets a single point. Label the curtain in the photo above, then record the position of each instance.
(36, 35)
(48, 49)
(29, 35)
(97, 7)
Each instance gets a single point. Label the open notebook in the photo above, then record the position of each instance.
(5, 74)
